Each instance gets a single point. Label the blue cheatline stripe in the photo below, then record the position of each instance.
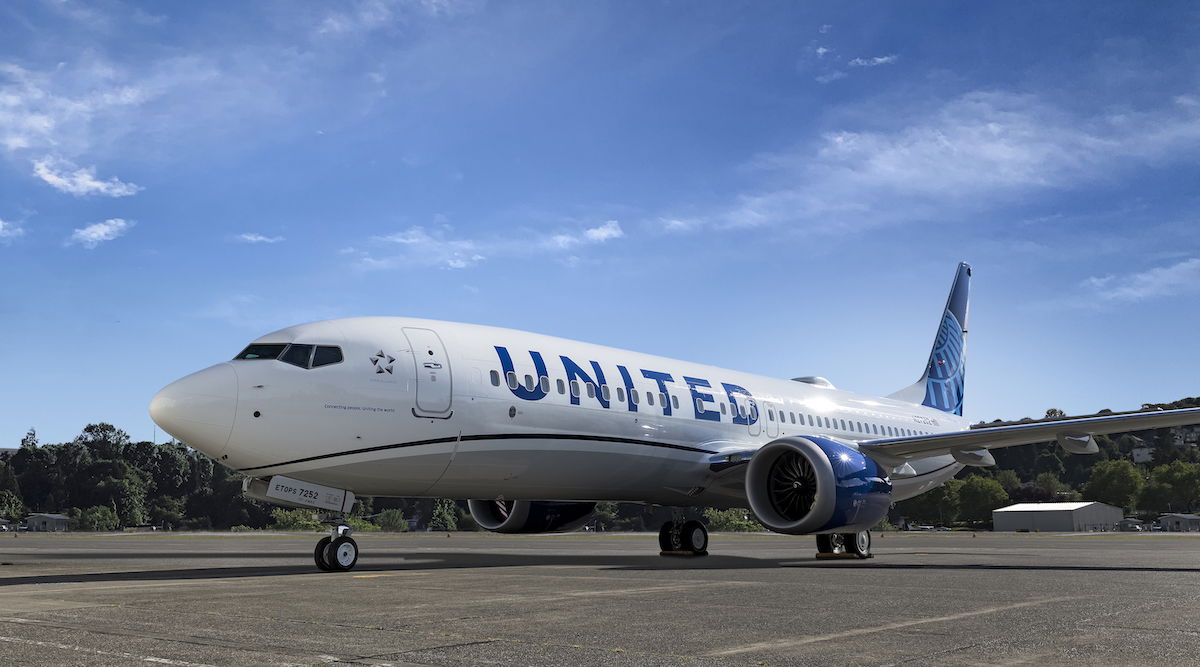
(495, 436)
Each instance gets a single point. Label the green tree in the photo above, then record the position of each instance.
(11, 507)
(445, 515)
(1116, 483)
(978, 496)
(392, 521)
(361, 525)
(1009, 480)
(1174, 487)
(605, 515)
(297, 519)
(1055, 413)
(97, 517)
(936, 506)
(1050, 484)
(734, 520)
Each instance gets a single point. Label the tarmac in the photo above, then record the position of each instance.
(599, 599)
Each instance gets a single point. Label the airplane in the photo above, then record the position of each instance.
(535, 430)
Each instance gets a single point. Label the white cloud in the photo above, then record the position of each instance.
(367, 15)
(420, 246)
(825, 29)
(9, 230)
(830, 77)
(252, 237)
(950, 162)
(65, 176)
(821, 51)
(1180, 278)
(93, 235)
(609, 230)
(873, 62)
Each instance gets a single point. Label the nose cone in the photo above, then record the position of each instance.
(198, 410)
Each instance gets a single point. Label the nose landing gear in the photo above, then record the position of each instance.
(336, 552)
(845, 545)
(682, 538)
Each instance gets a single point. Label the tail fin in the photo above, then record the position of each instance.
(941, 386)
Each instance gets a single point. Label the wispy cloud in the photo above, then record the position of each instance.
(93, 235)
(65, 176)
(367, 15)
(252, 237)
(830, 77)
(439, 247)
(975, 151)
(9, 230)
(873, 62)
(609, 230)
(1179, 278)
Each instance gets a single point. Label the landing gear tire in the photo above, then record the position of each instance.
(858, 543)
(319, 554)
(667, 536)
(341, 553)
(831, 543)
(694, 537)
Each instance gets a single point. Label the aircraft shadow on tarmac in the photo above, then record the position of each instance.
(426, 561)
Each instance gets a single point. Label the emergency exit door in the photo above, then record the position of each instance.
(434, 386)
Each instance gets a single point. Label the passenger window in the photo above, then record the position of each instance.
(326, 355)
(544, 383)
(662, 398)
(649, 398)
(636, 396)
(297, 355)
(770, 414)
(562, 387)
(604, 392)
(511, 377)
(591, 389)
(754, 412)
(792, 417)
(810, 421)
(575, 388)
(675, 402)
(262, 351)
(699, 406)
(742, 411)
(723, 409)
(620, 394)
(529, 383)
(495, 375)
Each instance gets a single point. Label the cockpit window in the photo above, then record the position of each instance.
(326, 355)
(297, 355)
(262, 351)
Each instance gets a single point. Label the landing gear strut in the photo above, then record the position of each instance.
(336, 552)
(845, 545)
(682, 538)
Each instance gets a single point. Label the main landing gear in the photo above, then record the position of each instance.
(845, 545)
(682, 538)
(336, 552)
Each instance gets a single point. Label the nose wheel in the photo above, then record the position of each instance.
(337, 552)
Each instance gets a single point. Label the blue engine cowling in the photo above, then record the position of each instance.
(530, 516)
(804, 485)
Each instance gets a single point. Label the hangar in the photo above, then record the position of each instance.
(1057, 517)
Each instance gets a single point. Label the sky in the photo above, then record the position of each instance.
(781, 188)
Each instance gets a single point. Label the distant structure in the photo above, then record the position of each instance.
(1180, 523)
(1057, 517)
(48, 523)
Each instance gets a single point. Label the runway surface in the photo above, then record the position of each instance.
(578, 600)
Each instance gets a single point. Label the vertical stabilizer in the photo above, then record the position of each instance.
(941, 385)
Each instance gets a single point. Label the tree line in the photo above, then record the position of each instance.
(104, 481)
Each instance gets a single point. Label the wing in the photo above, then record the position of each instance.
(1073, 434)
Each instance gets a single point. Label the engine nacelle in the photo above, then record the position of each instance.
(810, 485)
(530, 516)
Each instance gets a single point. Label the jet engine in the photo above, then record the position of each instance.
(530, 516)
(810, 485)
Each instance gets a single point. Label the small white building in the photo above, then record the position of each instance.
(1057, 517)
(48, 523)
(1180, 523)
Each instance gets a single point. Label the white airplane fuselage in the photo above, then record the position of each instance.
(428, 408)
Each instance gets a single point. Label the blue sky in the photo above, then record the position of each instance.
(781, 188)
